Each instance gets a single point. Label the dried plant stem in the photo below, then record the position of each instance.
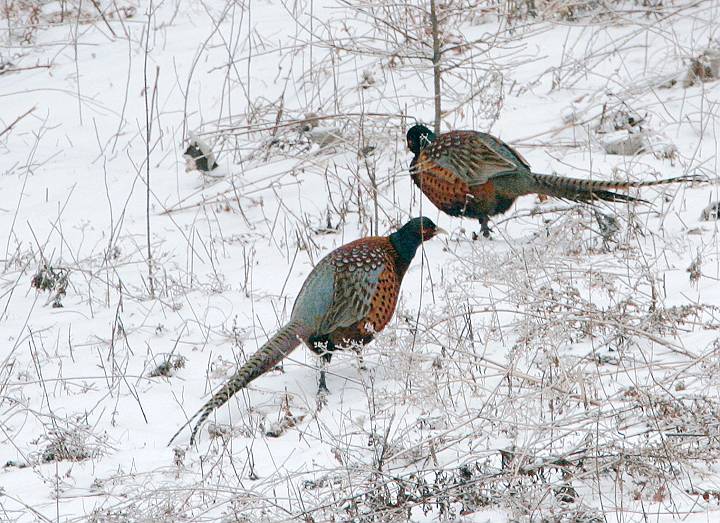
(148, 132)
(436, 58)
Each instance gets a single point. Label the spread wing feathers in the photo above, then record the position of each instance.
(473, 157)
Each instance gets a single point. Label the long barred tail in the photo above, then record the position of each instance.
(269, 355)
(578, 189)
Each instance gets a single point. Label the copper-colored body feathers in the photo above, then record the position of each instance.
(474, 174)
(347, 298)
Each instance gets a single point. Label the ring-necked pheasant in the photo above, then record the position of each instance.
(346, 299)
(474, 174)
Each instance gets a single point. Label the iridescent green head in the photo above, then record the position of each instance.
(418, 137)
(408, 238)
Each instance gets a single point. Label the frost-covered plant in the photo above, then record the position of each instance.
(70, 440)
(54, 280)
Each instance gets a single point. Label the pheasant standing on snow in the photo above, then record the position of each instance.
(348, 297)
(474, 174)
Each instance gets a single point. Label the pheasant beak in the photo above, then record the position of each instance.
(440, 230)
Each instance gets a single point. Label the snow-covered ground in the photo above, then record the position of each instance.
(565, 370)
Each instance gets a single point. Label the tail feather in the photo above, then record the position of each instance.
(269, 355)
(585, 190)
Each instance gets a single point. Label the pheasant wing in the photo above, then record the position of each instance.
(316, 295)
(505, 150)
(357, 273)
(352, 298)
(472, 156)
(339, 291)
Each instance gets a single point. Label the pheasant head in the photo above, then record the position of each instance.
(418, 137)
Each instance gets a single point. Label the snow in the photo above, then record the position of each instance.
(549, 342)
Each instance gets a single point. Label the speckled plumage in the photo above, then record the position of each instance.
(474, 174)
(346, 299)
(372, 283)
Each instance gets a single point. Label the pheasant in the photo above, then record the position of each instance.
(346, 299)
(474, 174)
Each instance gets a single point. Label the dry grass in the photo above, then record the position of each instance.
(546, 374)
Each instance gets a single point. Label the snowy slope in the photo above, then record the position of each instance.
(561, 370)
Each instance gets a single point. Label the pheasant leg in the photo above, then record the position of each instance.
(484, 227)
